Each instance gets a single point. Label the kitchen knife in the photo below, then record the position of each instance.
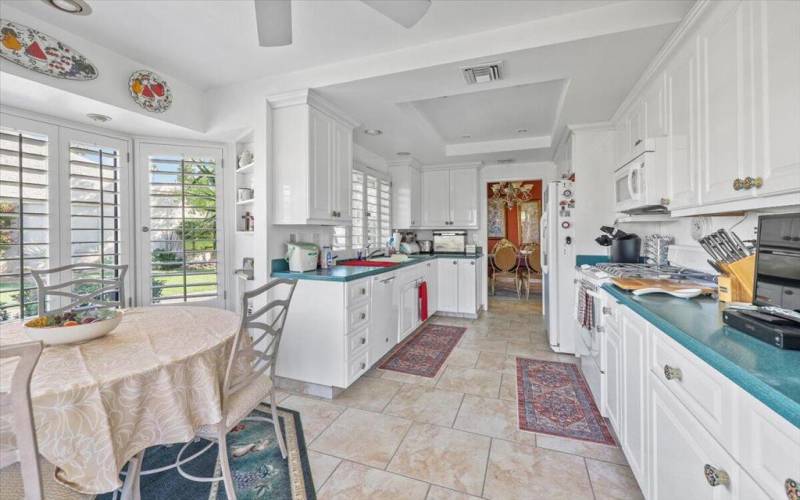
(715, 266)
(709, 250)
(738, 252)
(714, 240)
(723, 242)
(741, 244)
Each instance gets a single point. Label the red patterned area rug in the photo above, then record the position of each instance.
(553, 398)
(424, 352)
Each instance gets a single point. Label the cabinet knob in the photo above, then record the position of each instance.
(472, 263)
(363, 365)
(672, 373)
(363, 315)
(665, 201)
(363, 340)
(607, 310)
(716, 477)
(753, 182)
(738, 184)
(792, 490)
(363, 291)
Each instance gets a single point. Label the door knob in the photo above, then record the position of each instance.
(792, 490)
(716, 477)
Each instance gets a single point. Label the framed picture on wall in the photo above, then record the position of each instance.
(497, 221)
(529, 214)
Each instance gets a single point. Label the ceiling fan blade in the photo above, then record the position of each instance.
(274, 21)
(404, 12)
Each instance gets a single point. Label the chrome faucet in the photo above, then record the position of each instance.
(368, 254)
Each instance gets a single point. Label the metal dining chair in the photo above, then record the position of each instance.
(249, 380)
(531, 271)
(23, 474)
(504, 263)
(101, 292)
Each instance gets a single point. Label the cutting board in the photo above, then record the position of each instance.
(631, 284)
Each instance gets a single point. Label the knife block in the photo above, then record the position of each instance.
(736, 285)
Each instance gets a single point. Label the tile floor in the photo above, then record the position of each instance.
(454, 436)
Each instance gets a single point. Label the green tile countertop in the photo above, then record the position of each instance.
(351, 273)
(769, 374)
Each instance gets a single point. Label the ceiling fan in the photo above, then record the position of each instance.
(274, 17)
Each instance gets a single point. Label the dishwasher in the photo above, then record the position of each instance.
(383, 330)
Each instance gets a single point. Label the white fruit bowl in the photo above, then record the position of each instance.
(57, 335)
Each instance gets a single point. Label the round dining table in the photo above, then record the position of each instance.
(155, 379)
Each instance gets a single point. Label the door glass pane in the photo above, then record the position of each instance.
(24, 220)
(183, 228)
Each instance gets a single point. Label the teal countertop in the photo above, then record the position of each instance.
(280, 268)
(769, 374)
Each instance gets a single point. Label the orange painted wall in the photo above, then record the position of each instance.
(512, 224)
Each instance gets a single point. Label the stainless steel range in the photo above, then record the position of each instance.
(652, 271)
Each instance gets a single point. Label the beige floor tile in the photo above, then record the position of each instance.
(322, 466)
(315, 414)
(612, 482)
(462, 357)
(449, 458)
(485, 345)
(407, 378)
(532, 351)
(426, 405)
(372, 394)
(511, 334)
(362, 436)
(353, 481)
(470, 381)
(492, 417)
(584, 448)
(521, 471)
(439, 493)
(508, 387)
(497, 361)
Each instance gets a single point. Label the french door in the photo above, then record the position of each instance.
(180, 243)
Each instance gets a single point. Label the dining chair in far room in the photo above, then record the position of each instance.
(504, 263)
(85, 289)
(249, 376)
(23, 474)
(531, 270)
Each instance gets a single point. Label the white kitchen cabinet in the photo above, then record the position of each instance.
(464, 197)
(621, 142)
(409, 302)
(681, 449)
(406, 194)
(777, 96)
(682, 153)
(467, 286)
(655, 104)
(383, 326)
(312, 159)
(450, 197)
(447, 283)
(432, 278)
(637, 126)
(613, 392)
(436, 198)
(634, 396)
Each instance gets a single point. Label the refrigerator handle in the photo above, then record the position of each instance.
(544, 244)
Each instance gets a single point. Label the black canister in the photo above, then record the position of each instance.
(626, 250)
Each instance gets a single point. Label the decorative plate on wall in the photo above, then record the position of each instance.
(150, 91)
(42, 53)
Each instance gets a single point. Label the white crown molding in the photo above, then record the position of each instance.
(497, 146)
(442, 166)
(591, 127)
(687, 23)
(311, 98)
(368, 158)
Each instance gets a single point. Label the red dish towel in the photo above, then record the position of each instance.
(422, 291)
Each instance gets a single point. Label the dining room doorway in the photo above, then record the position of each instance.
(514, 211)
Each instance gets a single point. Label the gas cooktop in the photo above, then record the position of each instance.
(653, 271)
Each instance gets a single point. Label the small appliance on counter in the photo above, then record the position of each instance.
(625, 248)
(408, 243)
(302, 257)
(449, 241)
(656, 249)
(425, 246)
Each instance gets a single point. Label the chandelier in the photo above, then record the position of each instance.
(509, 193)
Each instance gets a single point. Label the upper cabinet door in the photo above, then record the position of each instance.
(682, 172)
(464, 197)
(655, 107)
(724, 115)
(322, 177)
(415, 184)
(638, 120)
(621, 142)
(342, 171)
(435, 198)
(777, 95)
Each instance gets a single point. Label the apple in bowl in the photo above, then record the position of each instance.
(73, 327)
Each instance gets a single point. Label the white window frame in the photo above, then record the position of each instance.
(381, 177)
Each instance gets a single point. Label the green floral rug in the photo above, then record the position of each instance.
(259, 471)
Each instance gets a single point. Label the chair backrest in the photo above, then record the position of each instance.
(19, 399)
(252, 357)
(98, 292)
(505, 258)
(534, 258)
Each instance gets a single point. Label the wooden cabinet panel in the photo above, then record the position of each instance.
(682, 171)
(342, 168)
(467, 286)
(655, 104)
(435, 198)
(638, 120)
(321, 166)
(777, 95)
(447, 284)
(464, 198)
(613, 397)
(634, 404)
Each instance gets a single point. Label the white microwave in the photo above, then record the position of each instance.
(639, 185)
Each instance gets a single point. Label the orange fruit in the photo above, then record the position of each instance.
(71, 323)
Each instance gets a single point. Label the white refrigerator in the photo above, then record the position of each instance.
(558, 264)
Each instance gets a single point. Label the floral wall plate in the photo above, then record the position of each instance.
(150, 91)
(42, 53)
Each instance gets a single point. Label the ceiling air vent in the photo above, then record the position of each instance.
(482, 73)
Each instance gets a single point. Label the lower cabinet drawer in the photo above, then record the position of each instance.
(357, 366)
(702, 389)
(357, 341)
(357, 317)
(358, 291)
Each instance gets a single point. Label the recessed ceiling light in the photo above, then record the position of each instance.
(521, 130)
(98, 117)
(77, 7)
(373, 131)
(403, 153)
